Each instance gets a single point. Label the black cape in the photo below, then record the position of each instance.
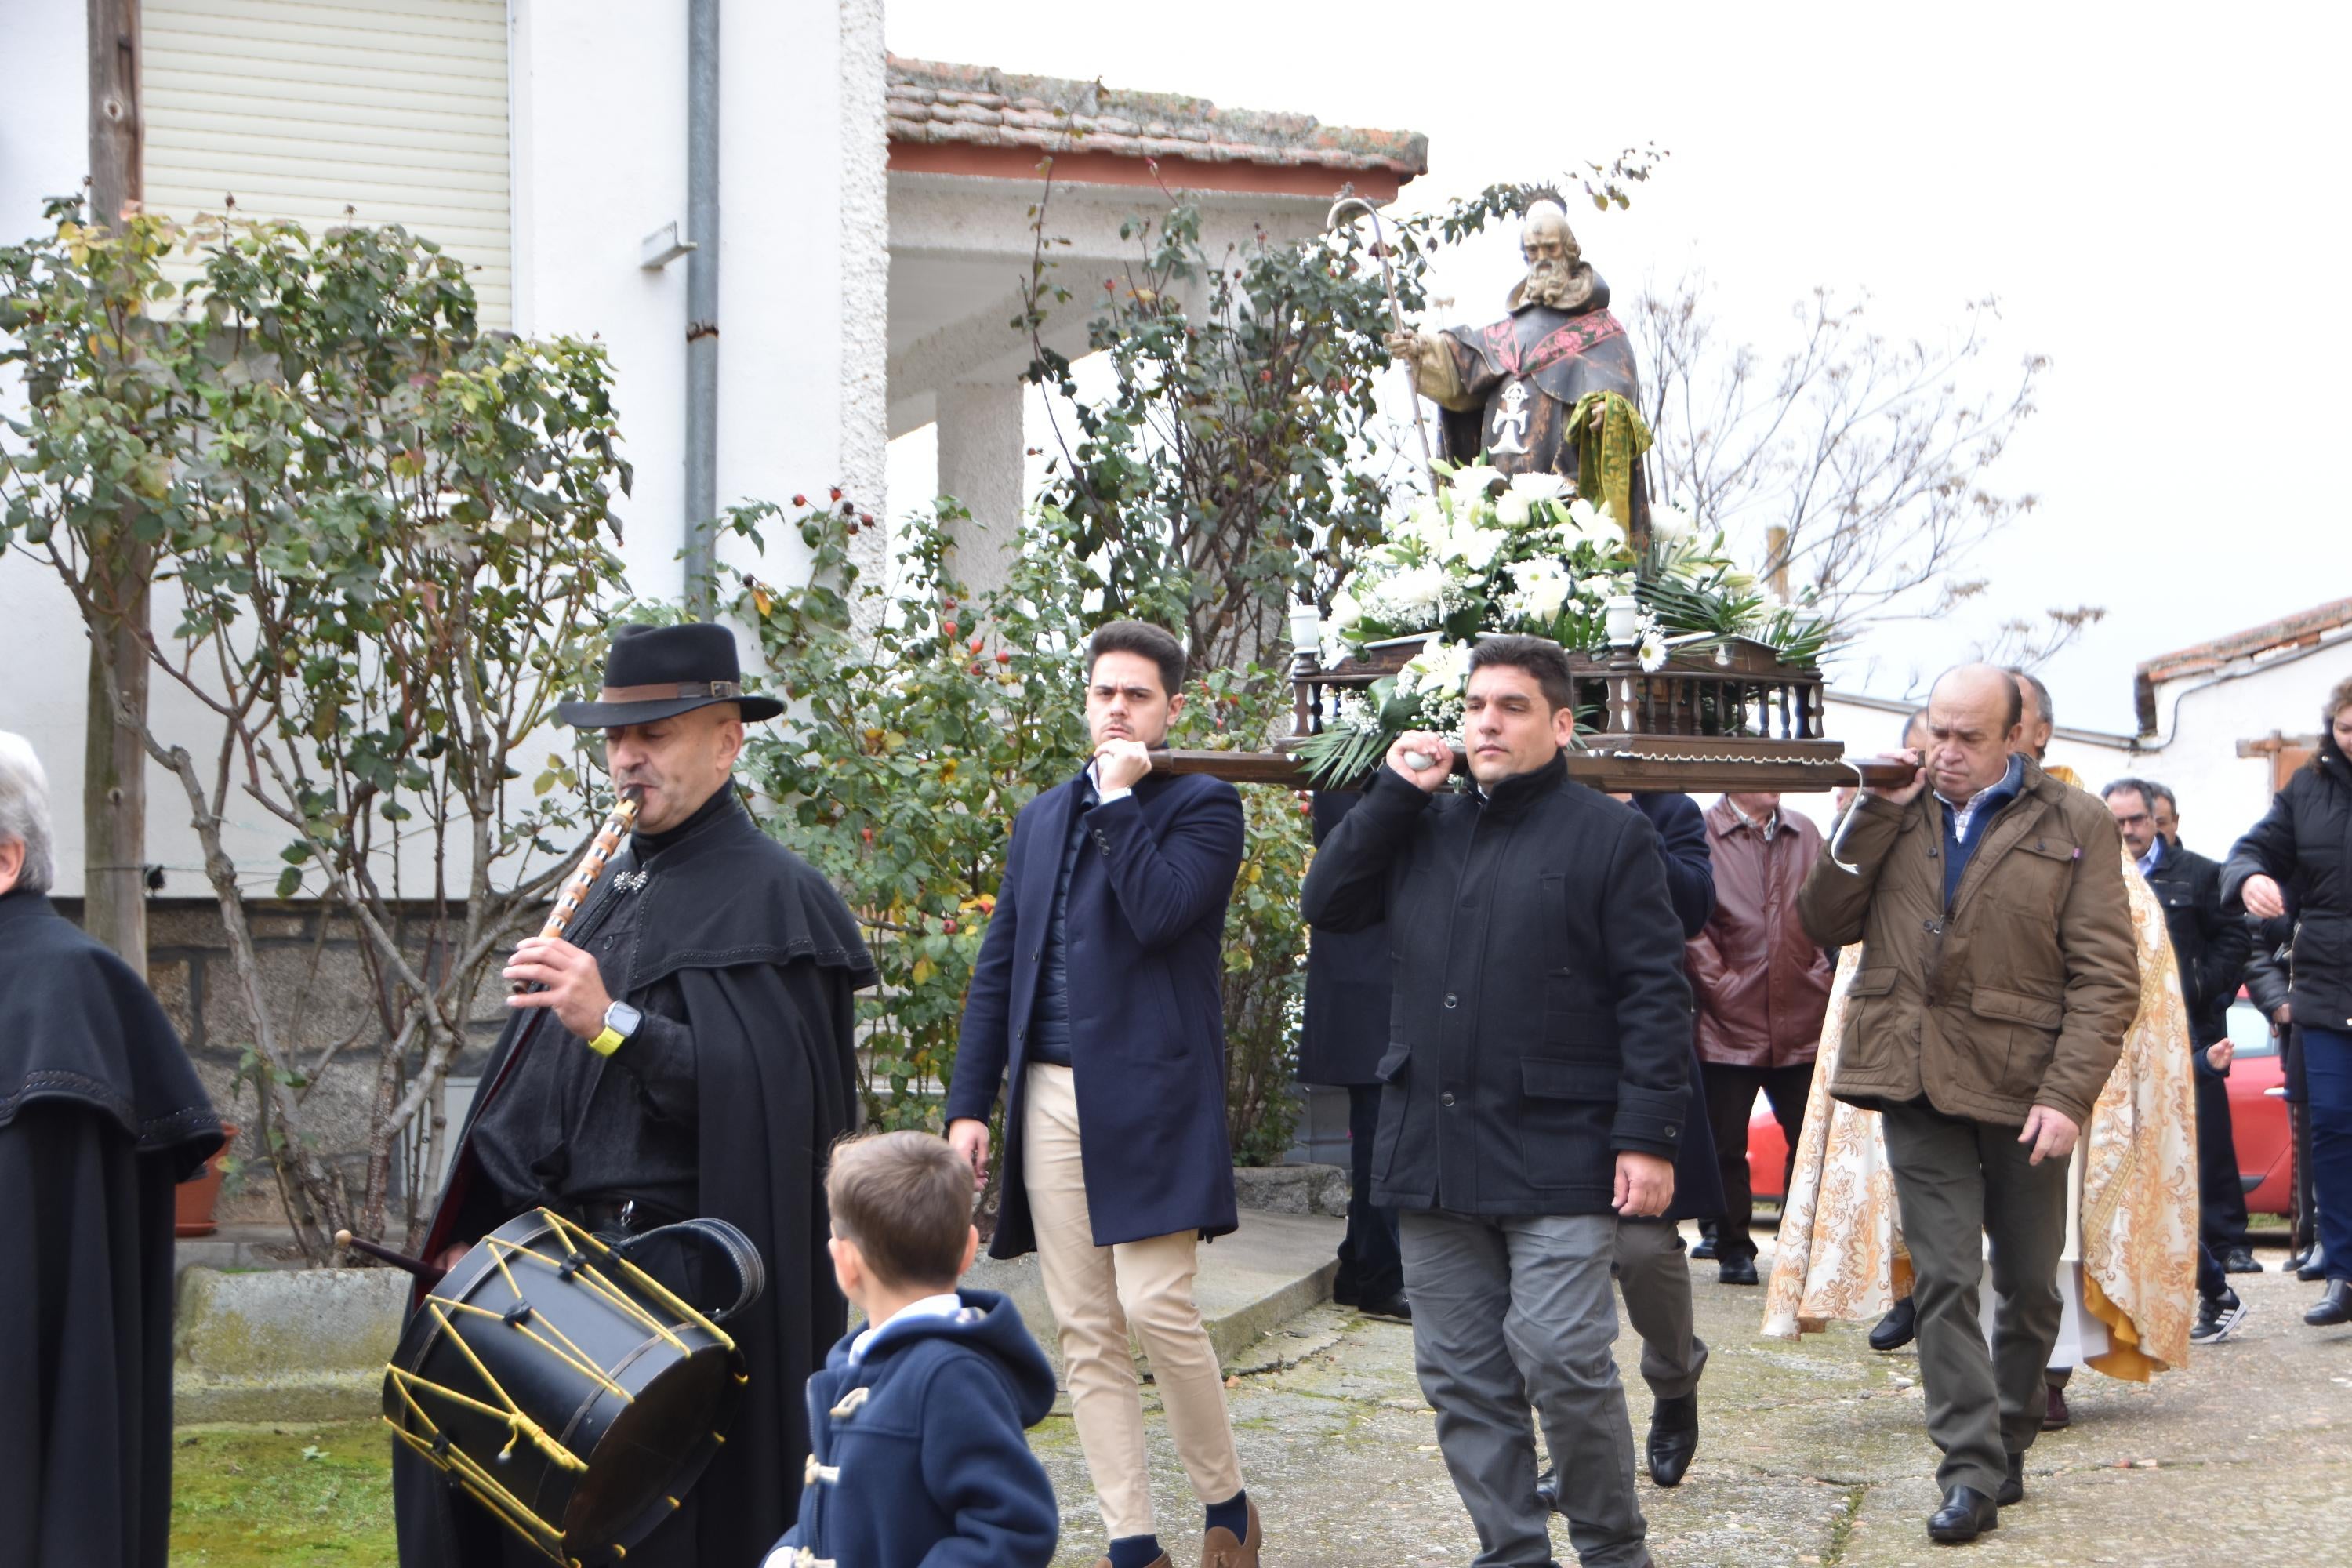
(768, 957)
(101, 1115)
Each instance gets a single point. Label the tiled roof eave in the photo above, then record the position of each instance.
(972, 106)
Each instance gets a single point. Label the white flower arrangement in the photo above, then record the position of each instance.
(1487, 553)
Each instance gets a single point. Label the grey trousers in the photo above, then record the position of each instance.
(1654, 1271)
(1508, 1312)
(1957, 1180)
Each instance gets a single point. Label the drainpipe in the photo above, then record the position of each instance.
(702, 306)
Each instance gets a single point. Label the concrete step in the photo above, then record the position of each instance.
(237, 1249)
(1250, 1283)
(281, 1344)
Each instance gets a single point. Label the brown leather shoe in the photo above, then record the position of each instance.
(1220, 1550)
(2057, 1417)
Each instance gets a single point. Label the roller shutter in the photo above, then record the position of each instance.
(393, 108)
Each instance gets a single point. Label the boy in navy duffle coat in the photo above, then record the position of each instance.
(917, 1421)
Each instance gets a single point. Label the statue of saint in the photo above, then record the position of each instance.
(1506, 390)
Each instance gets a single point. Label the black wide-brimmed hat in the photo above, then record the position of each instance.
(659, 672)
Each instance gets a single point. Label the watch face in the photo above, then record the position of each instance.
(622, 1018)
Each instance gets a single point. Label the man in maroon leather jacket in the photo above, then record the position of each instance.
(1761, 986)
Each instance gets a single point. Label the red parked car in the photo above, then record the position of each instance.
(2257, 1120)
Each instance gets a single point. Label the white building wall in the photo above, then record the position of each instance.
(45, 152)
(598, 118)
(2204, 717)
(600, 163)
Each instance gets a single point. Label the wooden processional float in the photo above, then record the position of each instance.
(1733, 717)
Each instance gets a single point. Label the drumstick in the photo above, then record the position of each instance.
(425, 1272)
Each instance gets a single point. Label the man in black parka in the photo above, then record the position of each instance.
(685, 1050)
(1533, 1089)
(101, 1115)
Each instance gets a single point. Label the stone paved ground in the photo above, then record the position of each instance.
(1813, 1452)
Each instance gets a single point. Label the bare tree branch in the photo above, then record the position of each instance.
(1856, 469)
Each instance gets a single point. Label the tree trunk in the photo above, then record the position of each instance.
(114, 778)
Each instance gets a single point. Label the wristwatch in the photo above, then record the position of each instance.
(621, 1021)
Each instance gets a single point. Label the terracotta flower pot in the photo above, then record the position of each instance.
(192, 1200)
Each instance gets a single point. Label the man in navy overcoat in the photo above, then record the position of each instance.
(1096, 998)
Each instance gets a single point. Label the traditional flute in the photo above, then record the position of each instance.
(591, 866)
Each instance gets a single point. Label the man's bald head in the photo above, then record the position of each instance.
(1975, 720)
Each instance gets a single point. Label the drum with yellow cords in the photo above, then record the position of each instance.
(567, 1390)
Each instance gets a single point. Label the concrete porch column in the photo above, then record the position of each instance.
(983, 449)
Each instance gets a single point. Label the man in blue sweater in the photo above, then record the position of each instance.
(917, 1421)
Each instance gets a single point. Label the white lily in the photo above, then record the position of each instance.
(1476, 480)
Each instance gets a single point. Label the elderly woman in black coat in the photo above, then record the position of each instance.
(2300, 856)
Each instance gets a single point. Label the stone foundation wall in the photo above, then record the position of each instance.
(320, 997)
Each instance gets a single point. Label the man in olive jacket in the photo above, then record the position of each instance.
(1998, 978)
(1534, 1089)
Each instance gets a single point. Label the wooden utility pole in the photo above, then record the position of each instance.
(114, 778)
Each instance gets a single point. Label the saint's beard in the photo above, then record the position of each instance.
(1550, 283)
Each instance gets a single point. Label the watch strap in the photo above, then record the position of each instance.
(608, 1040)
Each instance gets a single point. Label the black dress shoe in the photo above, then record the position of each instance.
(1673, 1438)
(1967, 1513)
(2240, 1260)
(1395, 1309)
(1736, 1271)
(2057, 1417)
(1899, 1328)
(1344, 1292)
(2012, 1486)
(2313, 1267)
(1706, 1248)
(1547, 1491)
(2334, 1307)
(2297, 1257)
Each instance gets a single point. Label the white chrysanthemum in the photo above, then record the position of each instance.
(1538, 487)
(1541, 588)
(1416, 591)
(1426, 519)
(1651, 651)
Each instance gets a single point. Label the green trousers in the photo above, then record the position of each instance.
(1958, 1182)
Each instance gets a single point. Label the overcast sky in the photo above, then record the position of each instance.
(2155, 194)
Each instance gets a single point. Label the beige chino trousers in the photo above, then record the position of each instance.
(1098, 1293)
